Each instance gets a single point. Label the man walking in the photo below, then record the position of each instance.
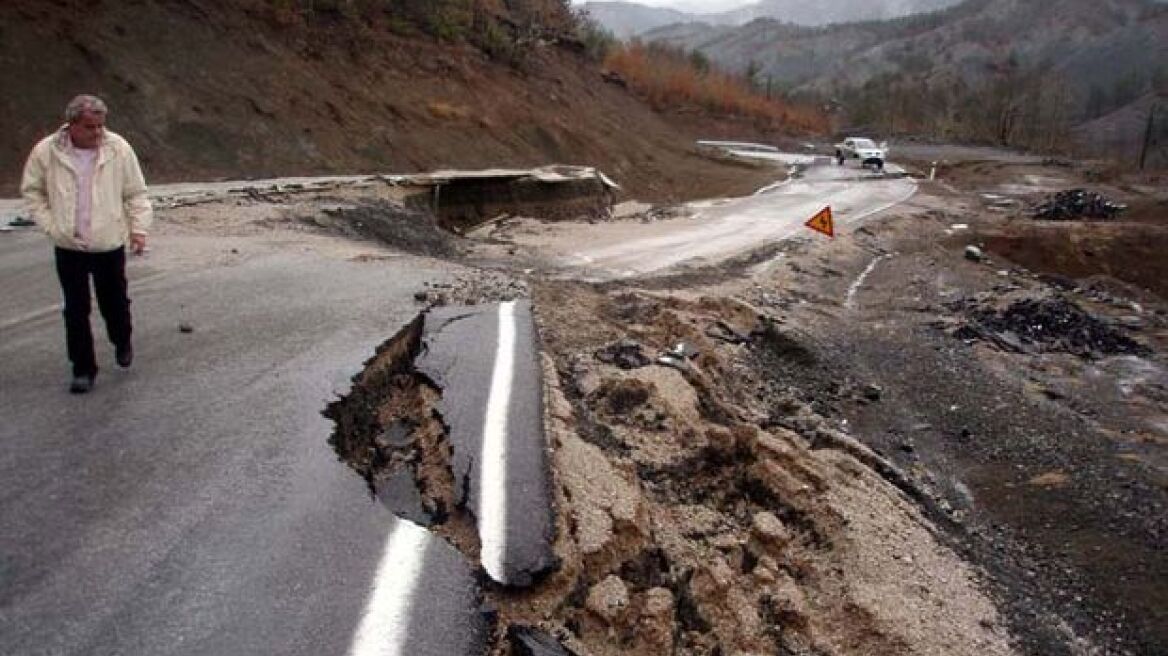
(84, 187)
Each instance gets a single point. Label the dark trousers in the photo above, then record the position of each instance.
(109, 281)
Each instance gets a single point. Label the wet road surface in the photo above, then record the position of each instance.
(191, 505)
(724, 228)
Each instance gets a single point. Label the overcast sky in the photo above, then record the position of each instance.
(696, 6)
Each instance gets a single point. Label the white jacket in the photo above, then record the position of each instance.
(120, 204)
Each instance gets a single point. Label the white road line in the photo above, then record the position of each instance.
(492, 512)
(385, 624)
(850, 301)
(876, 210)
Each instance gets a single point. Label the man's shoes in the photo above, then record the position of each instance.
(124, 356)
(81, 384)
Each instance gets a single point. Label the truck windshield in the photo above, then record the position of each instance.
(864, 143)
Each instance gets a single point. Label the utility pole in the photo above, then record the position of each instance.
(1148, 136)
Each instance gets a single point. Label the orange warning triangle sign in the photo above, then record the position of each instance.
(822, 222)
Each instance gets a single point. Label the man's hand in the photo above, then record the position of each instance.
(137, 243)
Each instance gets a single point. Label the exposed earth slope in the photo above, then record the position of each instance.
(209, 89)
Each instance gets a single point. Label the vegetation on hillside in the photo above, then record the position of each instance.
(1014, 104)
(507, 30)
(670, 78)
(1019, 74)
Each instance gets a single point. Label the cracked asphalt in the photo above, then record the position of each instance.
(191, 505)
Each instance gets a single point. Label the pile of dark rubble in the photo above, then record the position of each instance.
(1048, 325)
(391, 223)
(1077, 204)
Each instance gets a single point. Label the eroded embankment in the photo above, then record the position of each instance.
(706, 510)
(702, 507)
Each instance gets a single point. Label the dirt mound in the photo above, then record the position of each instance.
(1049, 324)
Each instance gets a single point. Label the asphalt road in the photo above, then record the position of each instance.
(724, 228)
(192, 505)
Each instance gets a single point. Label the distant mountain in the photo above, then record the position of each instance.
(826, 12)
(1122, 131)
(1094, 43)
(981, 69)
(626, 19)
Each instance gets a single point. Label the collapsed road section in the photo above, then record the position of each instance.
(445, 425)
(485, 360)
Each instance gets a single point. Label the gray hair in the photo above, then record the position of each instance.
(84, 104)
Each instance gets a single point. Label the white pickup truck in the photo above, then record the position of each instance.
(865, 150)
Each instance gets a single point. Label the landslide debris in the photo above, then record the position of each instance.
(706, 510)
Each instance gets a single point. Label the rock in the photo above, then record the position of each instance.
(626, 354)
(770, 529)
(721, 441)
(184, 327)
(608, 599)
(659, 602)
(530, 641)
(872, 392)
(974, 254)
(713, 579)
(421, 296)
(723, 331)
(655, 628)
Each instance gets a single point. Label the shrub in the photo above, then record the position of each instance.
(670, 78)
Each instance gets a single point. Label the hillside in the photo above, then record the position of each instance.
(936, 73)
(211, 89)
